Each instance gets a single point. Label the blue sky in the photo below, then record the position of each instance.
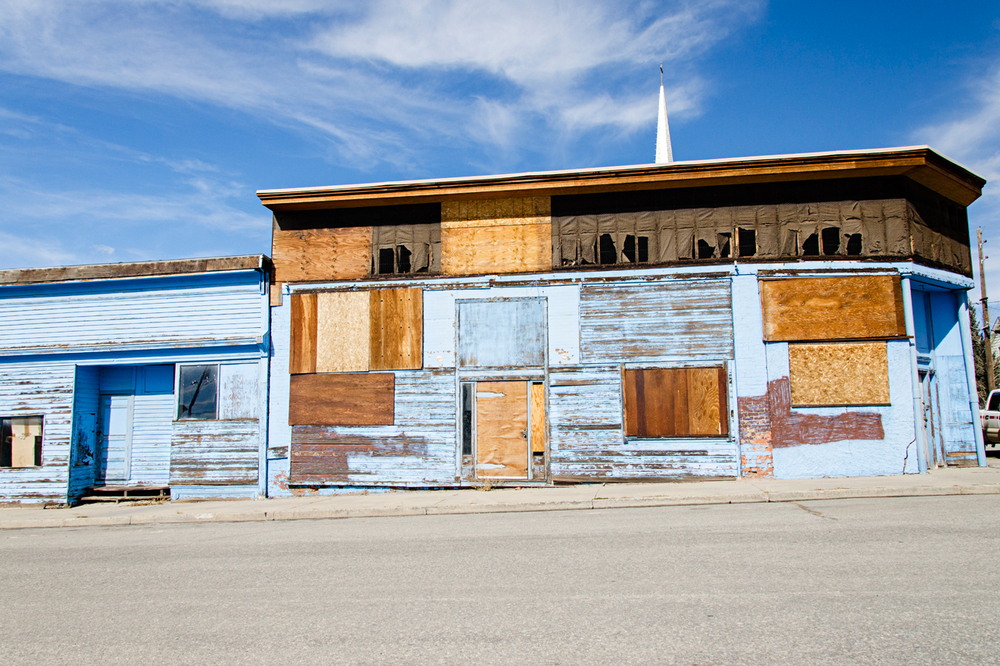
(140, 129)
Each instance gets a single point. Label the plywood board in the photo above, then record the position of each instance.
(539, 428)
(502, 429)
(834, 308)
(510, 235)
(675, 402)
(302, 357)
(396, 329)
(342, 399)
(843, 373)
(343, 327)
(501, 333)
(25, 435)
(315, 255)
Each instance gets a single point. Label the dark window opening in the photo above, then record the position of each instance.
(607, 253)
(198, 392)
(21, 441)
(831, 240)
(854, 246)
(747, 240)
(724, 244)
(468, 389)
(386, 261)
(810, 247)
(643, 242)
(402, 259)
(629, 249)
(705, 251)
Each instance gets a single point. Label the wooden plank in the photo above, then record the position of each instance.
(539, 429)
(315, 255)
(842, 373)
(501, 235)
(396, 329)
(832, 308)
(342, 331)
(302, 357)
(342, 399)
(502, 429)
(274, 294)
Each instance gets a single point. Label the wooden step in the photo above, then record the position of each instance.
(118, 494)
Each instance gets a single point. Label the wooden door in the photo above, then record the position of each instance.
(114, 442)
(503, 448)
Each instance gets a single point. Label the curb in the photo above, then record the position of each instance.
(264, 514)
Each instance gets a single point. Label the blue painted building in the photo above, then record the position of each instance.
(788, 316)
(140, 375)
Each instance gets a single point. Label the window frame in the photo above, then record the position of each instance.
(181, 367)
(6, 447)
(632, 431)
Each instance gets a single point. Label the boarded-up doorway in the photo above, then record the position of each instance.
(504, 429)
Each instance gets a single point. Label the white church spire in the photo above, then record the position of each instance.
(664, 151)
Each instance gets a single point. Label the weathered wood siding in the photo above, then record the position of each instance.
(588, 442)
(682, 319)
(148, 313)
(215, 452)
(418, 450)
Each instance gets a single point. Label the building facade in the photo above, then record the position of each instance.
(790, 316)
(150, 375)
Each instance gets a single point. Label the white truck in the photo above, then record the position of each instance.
(989, 418)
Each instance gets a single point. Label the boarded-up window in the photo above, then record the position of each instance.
(501, 333)
(508, 235)
(21, 441)
(406, 248)
(342, 399)
(675, 402)
(840, 373)
(835, 308)
(357, 331)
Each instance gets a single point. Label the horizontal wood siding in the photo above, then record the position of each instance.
(685, 319)
(39, 389)
(587, 440)
(147, 313)
(215, 452)
(419, 450)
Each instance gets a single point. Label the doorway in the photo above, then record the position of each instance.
(504, 432)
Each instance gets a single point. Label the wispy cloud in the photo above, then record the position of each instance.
(366, 76)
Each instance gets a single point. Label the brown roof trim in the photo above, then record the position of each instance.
(134, 269)
(920, 163)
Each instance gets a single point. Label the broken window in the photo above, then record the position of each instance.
(746, 242)
(21, 441)
(406, 248)
(675, 402)
(198, 392)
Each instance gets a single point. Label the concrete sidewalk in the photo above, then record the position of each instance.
(953, 481)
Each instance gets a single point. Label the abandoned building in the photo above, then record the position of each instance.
(790, 316)
(134, 380)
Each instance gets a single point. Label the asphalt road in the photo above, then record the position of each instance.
(893, 581)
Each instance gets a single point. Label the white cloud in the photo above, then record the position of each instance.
(386, 79)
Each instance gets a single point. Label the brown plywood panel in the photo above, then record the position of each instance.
(502, 429)
(834, 308)
(397, 325)
(342, 325)
(675, 402)
(496, 236)
(26, 434)
(302, 357)
(843, 373)
(342, 399)
(538, 421)
(313, 255)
